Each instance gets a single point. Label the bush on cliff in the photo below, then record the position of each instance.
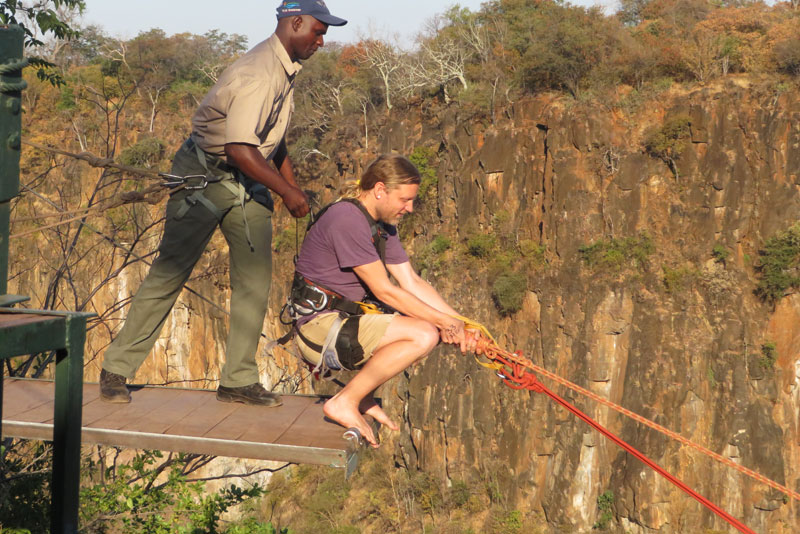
(669, 141)
(617, 253)
(778, 263)
(508, 292)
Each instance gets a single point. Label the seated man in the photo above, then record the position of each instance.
(348, 253)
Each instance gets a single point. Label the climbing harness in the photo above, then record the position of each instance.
(517, 372)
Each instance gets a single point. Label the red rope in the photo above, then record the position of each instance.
(522, 379)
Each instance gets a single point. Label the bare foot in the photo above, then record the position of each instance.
(369, 407)
(347, 415)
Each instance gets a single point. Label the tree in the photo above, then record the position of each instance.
(387, 62)
(40, 19)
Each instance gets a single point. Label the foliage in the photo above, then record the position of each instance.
(440, 244)
(720, 253)
(39, 20)
(605, 504)
(676, 280)
(146, 153)
(481, 245)
(422, 157)
(148, 495)
(615, 254)
(25, 487)
(769, 355)
(787, 55)
(669, 141)
(508, 292)
(533, 252)
(777, 264)
(570, 41)
(511, 522)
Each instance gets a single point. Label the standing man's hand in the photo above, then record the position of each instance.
(281, 181)
(296, 202)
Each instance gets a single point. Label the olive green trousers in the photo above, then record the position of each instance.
(186, 234)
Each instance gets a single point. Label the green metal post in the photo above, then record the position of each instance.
(67, 429)
(11, 86)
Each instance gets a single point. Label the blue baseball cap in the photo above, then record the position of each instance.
(315, 8)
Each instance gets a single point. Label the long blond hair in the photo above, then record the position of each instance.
(393, 170)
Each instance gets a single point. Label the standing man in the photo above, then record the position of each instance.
(239, 128)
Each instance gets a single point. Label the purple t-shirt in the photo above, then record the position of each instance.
(340, 240)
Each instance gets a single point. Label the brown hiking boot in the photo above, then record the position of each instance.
(254, 395)
(113, 388)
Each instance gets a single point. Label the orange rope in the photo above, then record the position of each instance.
(490, 348)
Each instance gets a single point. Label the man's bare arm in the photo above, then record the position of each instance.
(374, 276)
(409, 280)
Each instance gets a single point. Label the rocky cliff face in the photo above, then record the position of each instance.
(687, 357)
(685, 353)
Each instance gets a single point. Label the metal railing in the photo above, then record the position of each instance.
(25, 332)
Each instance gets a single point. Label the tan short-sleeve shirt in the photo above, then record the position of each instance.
(250, 103)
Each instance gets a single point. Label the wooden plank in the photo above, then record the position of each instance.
(309, 425)
(147, 406)
(209, 414)
(41, 414)
(97, 409)
(267, 425)
(19, 396)
(183, 404)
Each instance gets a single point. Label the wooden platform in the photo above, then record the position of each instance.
(187, 420)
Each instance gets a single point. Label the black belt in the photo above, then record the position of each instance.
(211, 160)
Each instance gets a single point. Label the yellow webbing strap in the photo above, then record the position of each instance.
(475, 325)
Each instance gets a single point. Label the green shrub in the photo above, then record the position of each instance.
(787, 54)
(669, 141)
(605, 504)
(146, 153)
(615, 254)
(720, 253)
(510, 522)
(508, 291)
(769, 355)
(251, 526)
(440, 244)
(423, 157)
(458, 494)
(480, 245)
(777, 264)
(533, 252)
(676, 280)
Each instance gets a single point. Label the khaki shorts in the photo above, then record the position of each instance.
(371, 329)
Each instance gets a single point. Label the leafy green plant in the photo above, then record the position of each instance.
(423, 157)
(508, 291)
(676, 280)
(769, 355)
(615, 254)
(777, 264)
(480, 245)
(148, 152)
(711, 376)
(720, 253)
(510, 522)
(440, 244)
(669, 141)
(153, 496)
(605, 504)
